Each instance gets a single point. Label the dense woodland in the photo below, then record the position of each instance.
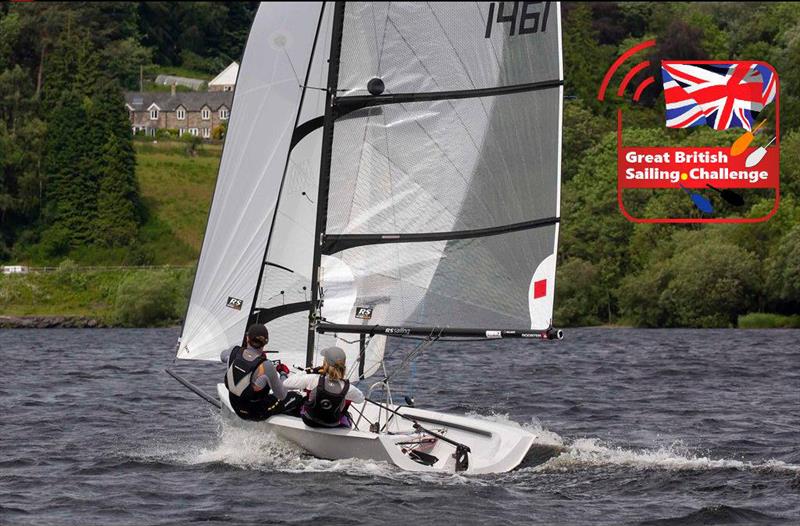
(67, 163)
(68, 184)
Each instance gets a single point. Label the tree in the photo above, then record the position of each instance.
(783, 273)
(71, 189)
(118, 197)
(579, 298)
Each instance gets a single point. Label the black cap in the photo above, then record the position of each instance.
(258, 334)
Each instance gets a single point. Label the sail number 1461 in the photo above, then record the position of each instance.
(523, 17)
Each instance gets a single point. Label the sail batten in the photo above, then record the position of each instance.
(352, 102)
(333, 243)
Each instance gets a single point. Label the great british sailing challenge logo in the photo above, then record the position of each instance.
(723, 95)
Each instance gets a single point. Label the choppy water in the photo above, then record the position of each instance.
(658, 428)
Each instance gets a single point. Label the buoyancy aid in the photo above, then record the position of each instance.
(248, 401)
(324, 408)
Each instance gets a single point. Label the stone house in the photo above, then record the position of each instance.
(197, 113)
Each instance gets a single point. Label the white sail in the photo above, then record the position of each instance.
(440, 203)
(260, 129)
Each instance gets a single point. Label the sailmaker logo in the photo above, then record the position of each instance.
(728, 96)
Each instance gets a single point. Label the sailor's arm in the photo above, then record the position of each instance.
(299, 382)
(267, 375)
(355, 395)
(224, 355)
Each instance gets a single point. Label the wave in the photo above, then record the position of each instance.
(721, 514)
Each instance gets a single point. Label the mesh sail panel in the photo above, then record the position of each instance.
(446, 165)
(481, 282)
(438, 46)
(452, 162)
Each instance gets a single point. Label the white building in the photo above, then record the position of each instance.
(225, 81)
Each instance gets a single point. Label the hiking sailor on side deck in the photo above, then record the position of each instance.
(254, 386)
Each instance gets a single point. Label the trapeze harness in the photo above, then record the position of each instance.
(248, 401)
(326, 408)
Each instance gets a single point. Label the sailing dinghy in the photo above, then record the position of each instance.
(391, 170)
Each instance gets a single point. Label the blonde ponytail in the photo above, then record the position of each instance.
(333, 371)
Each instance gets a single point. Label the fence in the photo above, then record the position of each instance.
(24, 269)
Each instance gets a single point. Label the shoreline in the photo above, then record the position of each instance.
(52, 322)
(89, 322)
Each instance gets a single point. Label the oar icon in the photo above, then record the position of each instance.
(729, 195)
(702, 204)
(741, 144)
(758, 154)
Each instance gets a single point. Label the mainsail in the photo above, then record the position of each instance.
(390, 168)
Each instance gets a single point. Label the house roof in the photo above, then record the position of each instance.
(227, 77)
(169, 80)
(192, 101)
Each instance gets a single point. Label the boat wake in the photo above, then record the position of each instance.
(591, 453)
(246, 446)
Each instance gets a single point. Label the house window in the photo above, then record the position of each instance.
(180, 114)
(151, 132)
(154, 114)
(193, 131)
(223, 114)
(227, 88)
(205, 114)
(181, 131)
(206, 133)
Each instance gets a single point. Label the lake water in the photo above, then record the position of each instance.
(658, 427)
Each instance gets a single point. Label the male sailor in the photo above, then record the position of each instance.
(329, 394)
(254, 386)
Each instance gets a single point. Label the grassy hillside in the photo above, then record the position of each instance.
(115, 297)
(176, 189)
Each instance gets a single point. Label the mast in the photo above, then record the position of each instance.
(324, 174)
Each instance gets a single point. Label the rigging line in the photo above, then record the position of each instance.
(383, 38)
(296, 76)
(375, 32)
(413, 354)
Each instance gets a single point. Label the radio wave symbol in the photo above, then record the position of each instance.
(601, 94)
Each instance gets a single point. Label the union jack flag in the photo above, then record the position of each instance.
(720, 95)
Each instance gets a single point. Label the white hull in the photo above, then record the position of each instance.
(494, 447)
